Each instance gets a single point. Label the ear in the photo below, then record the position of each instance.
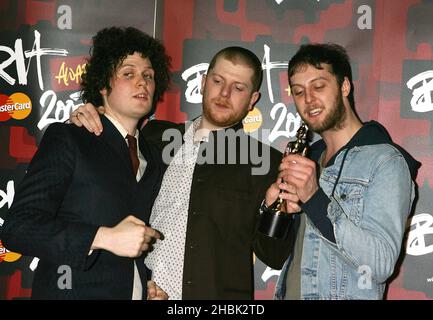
(345, 87)
(104, 94)
(255, 97)
(203, 81)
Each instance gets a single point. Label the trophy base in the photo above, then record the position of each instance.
(274, 225)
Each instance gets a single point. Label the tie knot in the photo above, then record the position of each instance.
(132, 146)
(131, 139)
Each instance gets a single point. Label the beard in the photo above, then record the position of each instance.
(333, 120)
(223, 119)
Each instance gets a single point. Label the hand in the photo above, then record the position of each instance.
(88, 116)
(291, 198)
(129, 238)
(300, 173)
(154, 292)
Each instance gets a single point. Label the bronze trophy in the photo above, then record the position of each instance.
(275, 223)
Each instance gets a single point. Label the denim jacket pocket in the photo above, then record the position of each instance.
(349, 195)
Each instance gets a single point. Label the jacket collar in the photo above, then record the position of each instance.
(371, 133)
(196, 123)
(113, 138)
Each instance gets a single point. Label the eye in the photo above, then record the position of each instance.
(216, 80)
(148, 76)
(298, 92)
(128, 74)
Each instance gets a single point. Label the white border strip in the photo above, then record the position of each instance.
(154, 18)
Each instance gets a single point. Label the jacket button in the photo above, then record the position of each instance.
(189, 282)
(343, 197)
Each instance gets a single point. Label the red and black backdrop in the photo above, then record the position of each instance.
(43, 45)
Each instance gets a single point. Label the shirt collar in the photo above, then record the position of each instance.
(202, 135)
(119, 127)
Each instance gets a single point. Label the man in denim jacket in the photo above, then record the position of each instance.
(350, 200)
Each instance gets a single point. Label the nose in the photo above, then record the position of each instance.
(308, 96)
(142, 81)
(225, 91)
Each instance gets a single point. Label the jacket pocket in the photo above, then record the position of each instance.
(349, 195)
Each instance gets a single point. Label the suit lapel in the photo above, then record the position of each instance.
(114, 140)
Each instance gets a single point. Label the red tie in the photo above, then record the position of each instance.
(132, 144)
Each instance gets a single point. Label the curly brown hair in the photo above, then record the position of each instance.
(110, 47)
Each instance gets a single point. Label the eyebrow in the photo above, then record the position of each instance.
(133, 65)
(315, 79)
(124, 66)
(237, 82)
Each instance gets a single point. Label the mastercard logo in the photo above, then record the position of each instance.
(17, 106)
(253, 120)
(6, 255)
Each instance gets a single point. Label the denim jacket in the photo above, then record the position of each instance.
(356, 220)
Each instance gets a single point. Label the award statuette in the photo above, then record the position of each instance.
(275, 223)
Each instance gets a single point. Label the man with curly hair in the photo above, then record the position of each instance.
(84, 204)
(207, 206)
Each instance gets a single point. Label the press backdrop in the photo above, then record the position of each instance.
(42, 50)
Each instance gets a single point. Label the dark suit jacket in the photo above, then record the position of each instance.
(76, 183)
(223, 216)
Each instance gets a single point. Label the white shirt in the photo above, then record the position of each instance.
(170, 215)
(138, 288)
